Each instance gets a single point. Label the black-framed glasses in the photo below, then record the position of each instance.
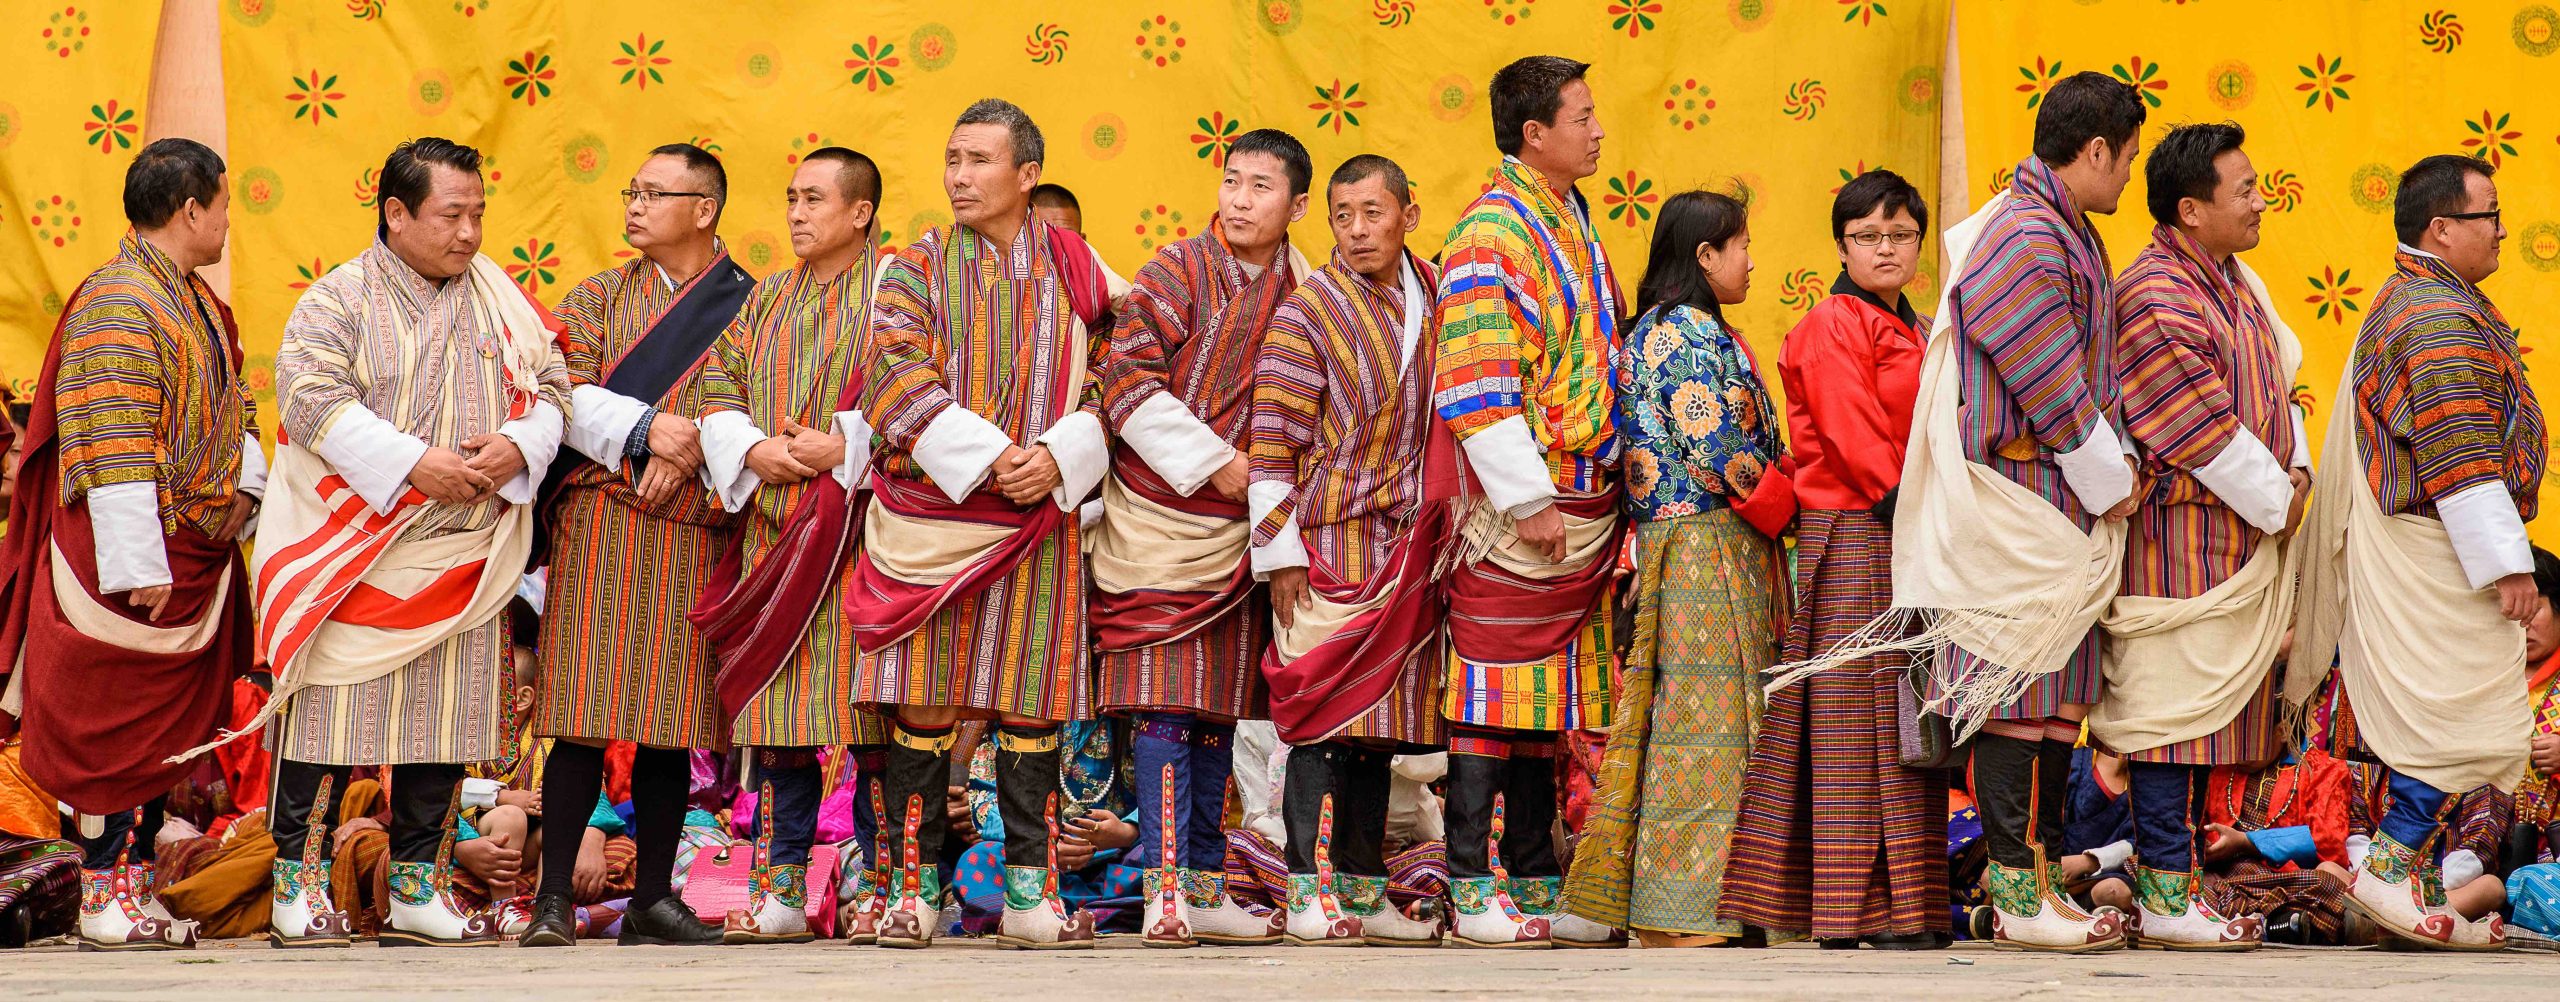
(1899, 238)
(2491, 215)
(630, 195)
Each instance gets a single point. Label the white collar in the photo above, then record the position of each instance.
(2406, 249)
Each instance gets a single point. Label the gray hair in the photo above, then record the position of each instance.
(1028, 146)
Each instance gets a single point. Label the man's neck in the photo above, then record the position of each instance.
(1258, 256)
(1391, 274)
(1001, 229)
(177, 254)
(2080, 180)
(828, 264)
(684, 260)
(2221, 258)
(1557, 181)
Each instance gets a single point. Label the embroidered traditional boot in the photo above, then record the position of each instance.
(2387, 890)
(116, 911)
(870, 883)
(1035, 917)
(425, 912)
(2487, 933)
(1381, 922)
(300, 913)
(2174, 917)
(777, 908)
(1316, 916)
(1543, 897)
(1485, 917)
(1218, 919)
(913, 910)
(1165, 923)
(2026, 916)
(917, 774)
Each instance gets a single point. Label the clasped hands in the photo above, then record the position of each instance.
(470, 475)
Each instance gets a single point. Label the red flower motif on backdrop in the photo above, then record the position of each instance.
(529, 77)
(2324, 81)
(2440, 31)
(1217, 133)
(871, 63)
(1804, 99)
(2330, 293)
(313, 97)
(310, 273)
(110, 127)
(1630, 199)
(1340, 105)
(2144, 78)
(1848, 174)
(2491, 140)
(1863, 11)
(2282, 190)
(1046, 44)
(1800, 289)
(1634, 17)
(369, 188)
(1392, 13)
(533, 264)
(365, 10)
(2039, 80)
(640, 61)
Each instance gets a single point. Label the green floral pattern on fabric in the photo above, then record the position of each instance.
(2015, 891)
(1361, 895)
(1537, 895)
(1304, 890)
(2390, 860)
(1473, 895)
(413, 883)
(2163, 892)
(1203, 888)
(789, 883)
(1025, 887)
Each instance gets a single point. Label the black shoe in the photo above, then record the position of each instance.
(667, 923)
(2287, 927)
(1906, 941)
(1840, 943)
(554, 923)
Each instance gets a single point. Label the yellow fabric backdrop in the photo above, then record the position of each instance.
(1136, 100)
(2338, 99)
(72, 80)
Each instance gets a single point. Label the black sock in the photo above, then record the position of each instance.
(916, 782)
(571, 775)
(661, 778)
(297, 798)
(422, 808)
(2053, 795)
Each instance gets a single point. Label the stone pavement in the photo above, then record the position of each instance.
(242, 971)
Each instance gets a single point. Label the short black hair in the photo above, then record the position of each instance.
(2084, 106)
(2546, 575)
(1369, 165)
(1687, 221)
(1531, 89)
(856, 174)
(1055, 196)
(705, 168)
(2181, 166)
(407, 176)
(1873, 190)
(1291, 153)
(165, 175)
(1028, 145)
(2433, 188)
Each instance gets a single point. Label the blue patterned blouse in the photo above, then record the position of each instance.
(1697, 422)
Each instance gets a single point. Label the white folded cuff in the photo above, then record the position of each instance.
(2113, 854)
(2487, 533)
(479, 792)
(125, 536)
(1083, 455)
(726, 437)
(2357, 847)
(1287, 548)
(1088, 515)
(371, 454)
(957, 449)
(2301, 439)
(1178, 446)
(2246, 477)
(537, 436)
(253, 466)
(2462, 866)
(1513, 469)
(600, 423)
(2096, 470)
(857, 449)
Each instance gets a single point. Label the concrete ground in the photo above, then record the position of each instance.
(1120, 971)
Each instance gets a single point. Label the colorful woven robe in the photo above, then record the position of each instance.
(1188, 330)
(2036, 314)
(375, 340)
(2442, 404)
(790, 353)
(619, 661)
(1341, 416)
(1527, 322)
(2197, 364)
(962, 323)
(141, 384)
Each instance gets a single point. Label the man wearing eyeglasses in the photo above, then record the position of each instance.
(633, 534)
(2206, 368)
(2419, 570)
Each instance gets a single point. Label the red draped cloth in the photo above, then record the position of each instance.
(1341, 679)
(1144, 617)
(99, 719)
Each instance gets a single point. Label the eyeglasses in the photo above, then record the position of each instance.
(631, 195)
(2491, 216)
(1900, 238)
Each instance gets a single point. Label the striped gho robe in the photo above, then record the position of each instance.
(378, 364)
(1177, 385)
(972, 350)
(2442, 405)
(1341, 416)
(619, 661)
(140, 443)
(790, 353)
(2208, 400)
(1526, 325)
(2035, 311)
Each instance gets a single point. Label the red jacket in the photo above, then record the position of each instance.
(1851, 370)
